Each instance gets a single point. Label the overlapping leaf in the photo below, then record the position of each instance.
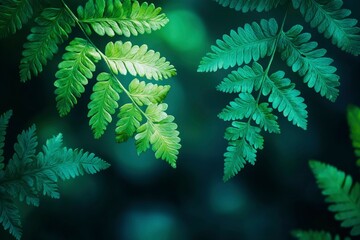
(74, 71)
(341, 193)
(53, 28)
(332, 20)
(13, 15)
(115, 17)
(252, 42)
(125, 58)
(146, 94)
(129, 121)
(303, 57)
(103, 103)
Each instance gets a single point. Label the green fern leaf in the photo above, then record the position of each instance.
(242, 107)
(53, 28)
(13, 15)
(103, 102)
(129, 120)
(303, 57)
(125, 17)
(340, 192)
(331, 20)
(4, 120)
(252, 42)
(353, 117)
(125, 58)
(146, 94)
(74, 71)
(10, 216)
(161, 132)
(285, 98)
(315, 235)
(246, 6)
(264, 117)
(244, 80)
(251, 134)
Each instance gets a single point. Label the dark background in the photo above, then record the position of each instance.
(141, 198)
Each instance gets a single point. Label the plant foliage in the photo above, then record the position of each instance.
(353, 117)
(79, 63)
(315, 235)
(260, 90)
(29, 175)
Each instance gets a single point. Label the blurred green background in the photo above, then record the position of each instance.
(141, 198)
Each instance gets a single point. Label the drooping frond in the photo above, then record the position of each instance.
(74, 71)
(252, 42)
(10, 216)
(332, 20)
(115, 17)
(341, 193)
(246, 5)
(29, 175)
(146, 94)
(13, 15)
(160, 131)
(103, 102)
(285, 98)
(53, 28)
(244, 80)
(303, 57)
(138, 61)
(4, 120)
(314, 235)
(129, 121)
(353, 117)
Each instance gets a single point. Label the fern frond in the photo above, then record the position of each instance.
(252, 42)
(13, 15)
(125, 17)
(353, 117)
(254, 5)
(264, 117)
(74, 71)
(314, 235)
(126, 58)
(129, 121)
(303, 57)
(285, 98)
(10, 216)
(103, 102)
(341, 193)
(332, 20)
(146, 94)
(244, 80)
(4, 120)
(161, 132)
(53, 27)
(241, 107)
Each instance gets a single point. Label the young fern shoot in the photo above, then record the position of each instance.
(144, 116)
(29, 175)
(260, 89)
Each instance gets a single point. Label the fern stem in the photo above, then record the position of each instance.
(104, 57)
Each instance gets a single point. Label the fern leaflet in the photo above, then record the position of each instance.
(53, 28)
(303, 57)
(28, 175)
(252, 42)
(331, 20)
(353, 116)
(74, 71)
(246, 6)
(146, 94)
(103, 102)
(125, 17)
(129, 120)
(315, 235)
(125, 58)
(342, 194)
(13, 14)
(4, 120)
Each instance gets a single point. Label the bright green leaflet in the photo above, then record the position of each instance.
(79, 62)
(261, 90)
(353, 117)
(29, 175)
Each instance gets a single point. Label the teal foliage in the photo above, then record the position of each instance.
(28, 175)
(259, 90)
